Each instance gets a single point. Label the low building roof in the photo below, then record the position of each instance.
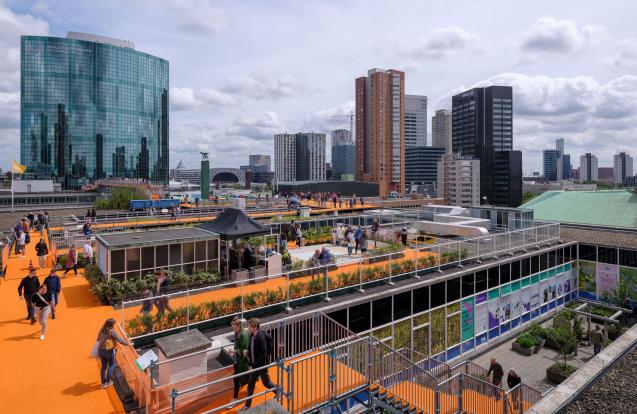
(616, 208)
(154, 237)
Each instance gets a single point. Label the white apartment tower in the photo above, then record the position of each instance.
(441, 130)
(299, 157)
(415, 121)
(622, 168)
(588, 167)
(459, 180)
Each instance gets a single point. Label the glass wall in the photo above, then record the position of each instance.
(188, 257)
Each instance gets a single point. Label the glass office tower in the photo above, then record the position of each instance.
(92, 107)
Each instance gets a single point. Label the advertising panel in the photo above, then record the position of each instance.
(494, 313)
(481, 318)
(505, 308)
(467, 319)
(516, 304)
(607, 276)
(526, 299)
(587, 276)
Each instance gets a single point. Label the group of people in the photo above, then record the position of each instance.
(159, 298)
(323, 199)
(91, 215)
(40, 298)
(497, 373)
(23, 228)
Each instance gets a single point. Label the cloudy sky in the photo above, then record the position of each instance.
(241, 71)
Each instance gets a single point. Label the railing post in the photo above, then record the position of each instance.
(187, 309)
(327, 283)
(389, 265)
(437, 400)
(360, 277)
(288, 309)
(242, 301)
(173, 403)
(521, 399)
(290, 394)
(460, 388)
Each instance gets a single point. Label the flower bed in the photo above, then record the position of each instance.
(559, 372)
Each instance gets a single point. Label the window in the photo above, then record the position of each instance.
(535, 264)
(175, 254)
(588, 252)
(515, 270)
(148, 257)
(481, 281)
(402, 305)
(381, 311)
(628, 257)
(438, 294)
(567, 254)
(505, 273)
(359, 317)
(552, 258)
(467, 285)
(421, 299)
(117, 261)
(494, 277)
(544, 261)
(453, 289)
(526, 267)
(189, 252)
(161, 256)
(607, 255)
(339, 316)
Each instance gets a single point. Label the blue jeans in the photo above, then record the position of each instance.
(108, 364)
(597, 349)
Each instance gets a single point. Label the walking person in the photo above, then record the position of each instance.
(71, 260)
(403, 235)
(362, 242)
(351, 242)
(335, 236)
(54, 287)
(597, 338)
(28, 287)
(357, 237)
(88, 252)
(375, 231)
(258, 354)
(107, 339)
(22, 242)
(41, 302)
(162, 289)
(41, 251)
(498, 373)
(240, 360)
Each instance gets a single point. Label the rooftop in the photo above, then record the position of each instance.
(153, 236)
(604, 208)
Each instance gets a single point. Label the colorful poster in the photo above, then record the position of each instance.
(516, 304)
(505, 308)
(629, 275)
(494, 313)
(567, 282)
(544, 291)
(607, 276)
(526, 299)
(481, 318)
(552, 289)
(560, 285)
(467, 319)
(587, 276)
(481, 297)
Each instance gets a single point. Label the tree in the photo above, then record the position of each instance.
(565, 340)
(528, 197)
(121, 196)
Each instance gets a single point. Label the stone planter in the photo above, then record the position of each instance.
(239, 275)
(555, 376)
(257, 272)
(523, 350)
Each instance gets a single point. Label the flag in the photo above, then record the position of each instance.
(18, 168)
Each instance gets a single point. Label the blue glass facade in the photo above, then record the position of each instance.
(92, 110)
(343, 160)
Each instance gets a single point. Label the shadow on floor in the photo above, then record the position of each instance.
(78, 296)
(34, 335)
(81, 388)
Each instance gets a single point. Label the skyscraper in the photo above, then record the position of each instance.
(92, 107)
(260, 162)
(441, 130)
(550, 160)
(343, 154)
(559, 145)
(380, 129)
(415, 121)
(622, 168)
(299, 157)
(421, 164)
(588, 167)
(459, 180)
(482, 125)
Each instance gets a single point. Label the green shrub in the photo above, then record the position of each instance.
(526, 340)
(120, 197)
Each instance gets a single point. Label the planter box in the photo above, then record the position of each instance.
(549, 343)
(239, 275)
(257, 272)
(555, 376)
(523, 350)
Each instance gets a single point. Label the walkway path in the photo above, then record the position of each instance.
(55, 375)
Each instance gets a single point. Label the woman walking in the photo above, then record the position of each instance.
(22, 242)
(107, 339)
(71, 260)
(240, 355)
(41, 251)
(41, 302)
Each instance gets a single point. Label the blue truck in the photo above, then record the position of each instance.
(137, 205)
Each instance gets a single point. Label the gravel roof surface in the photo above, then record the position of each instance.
(607, 238)
(615, 392)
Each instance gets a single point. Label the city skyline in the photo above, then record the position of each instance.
(232, 99)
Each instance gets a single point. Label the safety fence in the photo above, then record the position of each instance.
(294, 288)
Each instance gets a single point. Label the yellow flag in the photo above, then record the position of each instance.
(19, 168)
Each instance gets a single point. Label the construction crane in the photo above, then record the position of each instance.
(351, 117)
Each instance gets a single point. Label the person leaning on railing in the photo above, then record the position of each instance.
(106, 343)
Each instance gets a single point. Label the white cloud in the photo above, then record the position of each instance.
(189, 99)
(329, 119)
(626, 57)
(198, 16)
(551, 35)
(441, 42)
(262, 86)
(261, 128)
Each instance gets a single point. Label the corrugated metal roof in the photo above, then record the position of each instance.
(607, 208)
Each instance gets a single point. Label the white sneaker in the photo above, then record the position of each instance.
(42, 337)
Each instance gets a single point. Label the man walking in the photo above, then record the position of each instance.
(54, 287)
(258, 353)
(597, 338)
(41, 251)
(29, 286)
(498, 373)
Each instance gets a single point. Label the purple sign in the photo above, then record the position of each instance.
(481, 297)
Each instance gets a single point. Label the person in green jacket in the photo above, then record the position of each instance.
(240, 355)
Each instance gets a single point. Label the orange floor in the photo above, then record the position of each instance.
(55, 375)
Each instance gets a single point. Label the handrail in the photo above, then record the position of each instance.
(405, 359)
(237, 402)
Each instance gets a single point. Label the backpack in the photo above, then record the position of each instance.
(269, 341)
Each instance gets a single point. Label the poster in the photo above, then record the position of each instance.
(505, 308)
(552, 288)
(516, 304)
(467, 319)
(481, 318)
(544, 291)
(481, 298)
(567, 282)
(494, 313)
(560, 285)
(629, 275)
(587, 276)
(525, 298)
(535, 296)
(607, 275)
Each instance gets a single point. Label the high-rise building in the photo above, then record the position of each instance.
(421, 164)
(622, 168)
(299, 157)
(550, 160)
(380, 129)
(588, 167)
(507, 179)
(459, 180)
(559, 145)
(92, 107)
(441, 130)
(482, 124)
(260, 162)
(564, 167)
(343, 155)
(415, 121)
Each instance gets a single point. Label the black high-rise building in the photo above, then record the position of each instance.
(482, 125)
(507, 179)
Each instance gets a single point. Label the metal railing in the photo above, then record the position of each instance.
(295, 287)
(440, 370)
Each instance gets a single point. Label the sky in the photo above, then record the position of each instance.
(241, 71)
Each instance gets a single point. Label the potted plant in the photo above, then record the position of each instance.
(526, 344)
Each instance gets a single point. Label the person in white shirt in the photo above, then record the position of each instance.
(88, 252)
